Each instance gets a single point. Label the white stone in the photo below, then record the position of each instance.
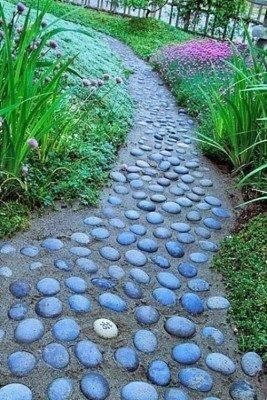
(105, 328)
(6, 272)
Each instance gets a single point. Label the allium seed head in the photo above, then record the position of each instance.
(100, 82)
(86, 82)
(106, 77)
(33, 143)
(119, 80)
(21, 8)
(52, 44)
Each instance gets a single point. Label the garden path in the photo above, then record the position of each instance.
(140, 260)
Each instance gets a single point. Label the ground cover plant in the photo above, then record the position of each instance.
(242, 261)
(65, 147)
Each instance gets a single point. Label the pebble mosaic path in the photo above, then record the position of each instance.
(140, 261)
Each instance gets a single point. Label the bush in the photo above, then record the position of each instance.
(242, 262)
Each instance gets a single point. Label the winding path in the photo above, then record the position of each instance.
(140, 260)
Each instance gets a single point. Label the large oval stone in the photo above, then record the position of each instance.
(139, 391)
(30, 330)
(145, 341)
(146, 315)
(88, 353)
(180, 327)
(127, 358)
(159, 373)
(21, 363)
(66, 329)
(186, 353)
(95, 386)
(220, 363)
(15, 391)
(112, 301)
(196, 379)
(60, 389)
(56, 355)
(251, 363)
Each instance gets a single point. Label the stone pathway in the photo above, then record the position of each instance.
(140, 261)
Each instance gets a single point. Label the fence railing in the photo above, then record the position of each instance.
(202, 21)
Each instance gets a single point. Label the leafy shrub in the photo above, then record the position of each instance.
(242, 262)
(239, 115)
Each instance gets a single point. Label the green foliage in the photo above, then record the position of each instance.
(239, 117)
(223, 10)
(31, 98)
(13, 216)
(147, 5)
(148, 38)
(242, 262)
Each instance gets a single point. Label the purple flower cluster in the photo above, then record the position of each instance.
(193, 57)
(207, 50)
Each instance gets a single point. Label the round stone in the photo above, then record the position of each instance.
(186, 353)
(212, 334)
(116, 272)
(21, 363)
(136, 258)
(100, 233)
(30, 330)
(185, 238)
(175, 249)
(198, 285)
(117, 176)
(87, 265)
(213, 201)
(212, 223)
(95, 386)
(132, 290)
(19, 289)
(126, 238)
(162, 233)
(241, 390)
(159, 373)
(110, 253)
(103, 283)
(117, 223)
(139, 276)
(76, 284)
(60, 389)
(139, 195)
(15, 391)
(79, 303)
(161, 262)
(18, 311)
(6, 272)
(198, 257)
(66, 329)
(175, 394)
(192, 303)
(251, 363)
(93, 221)
(221, 212)
(184, 202)
(88, 353)
(165, 297)
(56, 355)
(63, 265)
(220, 363)
(138, 390)
(208, 246)
(127, 358)
(158, 198)
(138, 229)
(30, 251)
(148, 245)
(146, 205)
(48, 286)
(145, 341)
(180, 327)
(132, 214)
(154, 218)
(156, 188)
(218, 303)
(180, 227)
(203, 232)
(171, 207)
(114, 200)
(205, 182)
(112, 302)
(49, 307)
(80, 237)
(105, 328)
(196, 379)
(7, 248)
(52, 244)
(193, 216)
(146, 315)
(80, 251)
(168, 280)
